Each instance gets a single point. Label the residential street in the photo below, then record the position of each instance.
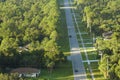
(78, 67)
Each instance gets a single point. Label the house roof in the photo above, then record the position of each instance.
(25, 70)
(107, 35)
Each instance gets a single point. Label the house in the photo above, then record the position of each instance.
(107, 35)
(24, 48)
(26, 72)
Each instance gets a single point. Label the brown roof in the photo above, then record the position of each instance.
(107, 33)
(25, 70)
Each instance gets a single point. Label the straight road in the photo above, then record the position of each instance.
(78, 67)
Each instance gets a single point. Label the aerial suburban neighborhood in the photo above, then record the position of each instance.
(59, 39)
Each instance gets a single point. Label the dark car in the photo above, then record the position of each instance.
(76, 70)
(70, 36)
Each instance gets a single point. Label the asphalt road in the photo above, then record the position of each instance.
(78, 67)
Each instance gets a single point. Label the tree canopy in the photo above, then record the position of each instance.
(28, 33)
(102, 18)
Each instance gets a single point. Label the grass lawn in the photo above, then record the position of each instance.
(88, 45)
(87, 71)
(97, 74)
(63, 71)
(87, 40)
(80, 45)
(86, 36)
(95, 70)
(92, 55)
(83, 56)
(63, 40)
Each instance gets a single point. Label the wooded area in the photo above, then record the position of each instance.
(29, 34)
(102, 19)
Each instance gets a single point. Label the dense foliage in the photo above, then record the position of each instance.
(28, 33)
(102, 18)
(10, 77)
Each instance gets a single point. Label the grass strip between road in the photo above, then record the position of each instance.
(63, 40)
